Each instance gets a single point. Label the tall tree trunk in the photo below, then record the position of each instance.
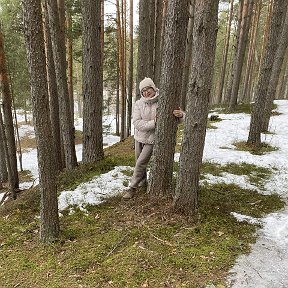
(7, 113)
(200, 84)
(170, 84)
(278, 14)
(283, 82)
(18, 142)
(92, 81)
(251, 53)
(266, 32)
(188, 55)
(49, 230)
(130, 71)
(53, 94)
(3, 165)
(158, 40)
(58, 45)
(121, 59)
(6, 161)
(145, 63)
(69, 48)
(275, 74)
(234, 52)
(225, 53)
(244, 32)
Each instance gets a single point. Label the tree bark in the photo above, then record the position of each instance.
(244, 32)
(3, 165)
(188, 55)
(53, 94)
(278, 14)
(225, 53)
(275, 74)
(7, 114)
(58, 45)
(160, 182)
(200, 85)
(49, 230)
(69, 48)
(130, 71)
(145, 63)
(251, 54)
(92, 81)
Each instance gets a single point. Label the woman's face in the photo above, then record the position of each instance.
(148, 92)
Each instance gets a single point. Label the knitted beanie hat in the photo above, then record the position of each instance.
(146, 82)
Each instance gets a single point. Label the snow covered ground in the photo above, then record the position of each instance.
(267, 264)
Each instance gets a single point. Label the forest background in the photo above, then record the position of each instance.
(104, 58)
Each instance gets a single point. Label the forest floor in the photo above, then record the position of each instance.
(143, 242)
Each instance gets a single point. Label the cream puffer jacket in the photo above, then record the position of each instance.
(144, 114)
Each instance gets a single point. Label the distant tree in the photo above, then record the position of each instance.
(53, 94)
(49, 230)
(5, 168)
(58, 45)
(12, 28)
(145, 62)
(92, 81)
(160, 182)
(160, 15)
(225, 52)
(241, 48)
(188, 55)
(8, 118)
(200, 84)
(250, 63)
(130, 71)
(278, 14)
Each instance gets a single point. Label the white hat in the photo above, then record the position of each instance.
(146, 82)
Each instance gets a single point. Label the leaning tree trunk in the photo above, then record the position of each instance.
(284, 81)
(160, 182)
(3, 166)
(200, 84)
(49, 230)
(188, 55)
(278, 14)
(92, 81)
(7, 113)
(244, 33)
(251, 54)
(275, 74)
(58, 45)
(53, 94)
(225, 53)
(5, 161)
(234, 52)
(145, 63)
(158, 40)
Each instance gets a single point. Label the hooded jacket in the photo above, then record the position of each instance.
(144, 114)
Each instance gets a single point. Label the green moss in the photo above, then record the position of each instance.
(256, 150)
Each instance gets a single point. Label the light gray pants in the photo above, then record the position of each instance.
(143, 153)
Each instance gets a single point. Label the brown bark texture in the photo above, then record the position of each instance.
(58, 45)
(92, 81)
(199, 90)
(7, 115)
(278, 14)
(49, 230)
(160, 182)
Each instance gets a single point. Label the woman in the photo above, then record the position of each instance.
(144, 121)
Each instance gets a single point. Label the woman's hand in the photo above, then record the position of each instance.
(178, 113)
